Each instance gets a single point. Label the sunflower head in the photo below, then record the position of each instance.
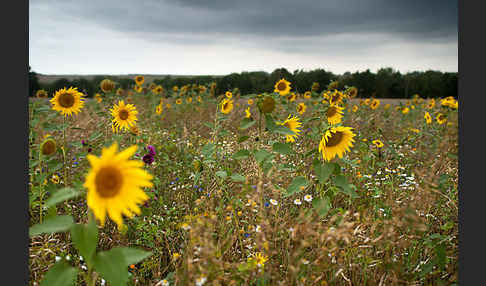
(333, 85)
(189, 99)
(226, 105)
(293, 123)
(158, 109)
(405, 110)
(292, 97)
(158, 89)
(139, 79)
(178, 101)
(431, 103)
(115, 183)
(247, 113)
(387, 106)
(68, 101)
(336, 97)
(427, 117)
(301, 108)
(124, 115)
(119, 91)
(282, 87)
(48, 146)
(250, 101)
(441, 118)
(355, 108)
(267, 104)
(175, 88)
(335, 142)
(107, 85)
(378, 143)
(98, 97)
(315, 86)
(367, 101)
(228, 94)
(41, 94)
(307, 94)
(352, 92)
(374, 104)
(199, 99)
(334, 114)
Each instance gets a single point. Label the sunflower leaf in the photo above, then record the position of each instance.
(348, 189)
(296, 186)
(112, 266)
(282, 148)
(55, 224)
(85, 238)
(323, 171)
(133, 255)
(62, 195)
(238, 178)
(241, 154)
(321, 206)
(221, 174)
(246, 123)
(243, 138)
(61, 274)
(261, 155)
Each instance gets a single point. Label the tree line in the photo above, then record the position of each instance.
(385, 83)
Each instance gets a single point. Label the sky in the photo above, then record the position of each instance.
(218, 37)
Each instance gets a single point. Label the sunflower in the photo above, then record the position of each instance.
(168, 105)
(159, 109)
(374, 104)
(48, 146)
(247, 113)
(138, 89)
(292, 122)
(152, 86)
(267, 105)
(292, 97)
(307, 94)
(367, 101)
(334, 114)
(41, 94)
(352, 92)
(98, 97)
(199, 99)
(226, 105)
(427, 117)
(301, 108)
(441, 118)
(405, 110)
(282, 87)
(336, 97)
(315, 86)
(336, 141)
(175, 88)
(378, 143)
(333, 85)
(189, 99)
(139, 79)
(387, 106)
(115, 184)
(119, 91)
(124, 116)
(107, 85)
(228, 94)
(158, 89)
(355, 108)
(250, 101)
(68, 101)
(178, 101)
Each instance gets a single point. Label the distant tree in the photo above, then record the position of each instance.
(33, 82)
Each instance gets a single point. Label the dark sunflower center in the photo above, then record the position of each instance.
(48, 147)
(225, 105)
(331, 111)
(282, 86)
(299, 108)
(123, 114)
(335, 97)
(335, 139)
(66, 100)
(108, 182)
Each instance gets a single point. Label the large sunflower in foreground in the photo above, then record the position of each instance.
(124, 115)
(68, 101)
(115, 184)
(226, 105)
(292, 122)
(334, 114)
(282, 87)
(336, 141)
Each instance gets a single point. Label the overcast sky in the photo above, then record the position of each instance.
(219, 37)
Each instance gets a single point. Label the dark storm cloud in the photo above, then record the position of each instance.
(410, 19)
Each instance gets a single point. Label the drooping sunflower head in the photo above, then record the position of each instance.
(107, 85)
(301, 108)
(307, 94)
(334, 114)
(115, 183)
(441, 118)
(229, 94)
(226, 105)
(48, 146)
(292, 97)
(293, 123)
(282, 87)
(139, 79)
(68, 101)
(333, 85)
(352, 92)
(124, 115)
(374, 104)
(336, 141)
(41, 94)
(267, 104)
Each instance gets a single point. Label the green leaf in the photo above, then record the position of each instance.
(221, 174)
(321, 206)
(55, 224)
(282, 148)
(348, 189)
(112, 266)
(283, 130)
(243, 138)
(209, 124)
(85, 238)
(296, 186)
(247, 123)
(241, 154)
(60, 274)
(323, 171)
(133, 255)
(261, 155)
(62, 195)
(208, 149)
(238, 178)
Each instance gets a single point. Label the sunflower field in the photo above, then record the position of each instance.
(148, 186)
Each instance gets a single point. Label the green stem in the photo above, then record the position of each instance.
(41, 188)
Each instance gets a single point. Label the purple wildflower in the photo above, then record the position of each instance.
(151, 150)
(148, 159)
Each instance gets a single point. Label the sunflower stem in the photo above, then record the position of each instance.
(41, 188)
(64, 149)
